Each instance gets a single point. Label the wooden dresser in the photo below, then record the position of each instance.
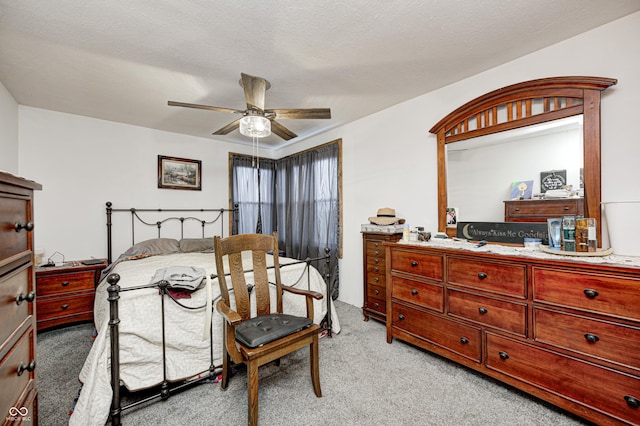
(375, 298)
(18, 387)
(66, 293)
(541, 210)
(567, 332)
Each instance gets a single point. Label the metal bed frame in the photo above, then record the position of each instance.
(166, 388)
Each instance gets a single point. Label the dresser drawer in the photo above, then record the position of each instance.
(606, 340)
(12, 314)
(64, 283)
(606, 294)
(377, 291)
(14, 385)
(509, 316)
(426, 295)
(375, 249)
(581, 382)
(423, 264)
(62, 307)
(377, 304)
(544, 208)
(12, 211)
(375, 278)
(489, 276)
(461, 339)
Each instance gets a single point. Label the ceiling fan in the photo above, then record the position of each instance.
(254, 93)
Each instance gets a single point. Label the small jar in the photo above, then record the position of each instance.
(532, 243)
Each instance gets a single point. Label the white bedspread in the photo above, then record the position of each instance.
(141, 330)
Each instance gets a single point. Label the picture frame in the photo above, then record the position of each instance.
(521, 190)
(452, 217)
(552, 179)
(179, 173)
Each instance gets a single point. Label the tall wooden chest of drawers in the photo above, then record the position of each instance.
(18, 387)
(565, 331)
(374, 273)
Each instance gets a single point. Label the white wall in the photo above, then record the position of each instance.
(9, 132)
(389, 158)
(84, 162)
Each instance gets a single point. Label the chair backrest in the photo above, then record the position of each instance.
(259, 245)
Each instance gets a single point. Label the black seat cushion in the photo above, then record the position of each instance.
(263, 329)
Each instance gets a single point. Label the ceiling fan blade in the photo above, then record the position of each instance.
(254, 90)
(282, 131)
(301, 113)
(207, 107)
(228, 128)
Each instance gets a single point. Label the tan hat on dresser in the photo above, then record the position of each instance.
(385, 216)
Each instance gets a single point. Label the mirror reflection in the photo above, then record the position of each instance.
(480, 171)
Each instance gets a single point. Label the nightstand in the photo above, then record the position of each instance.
(65, 294)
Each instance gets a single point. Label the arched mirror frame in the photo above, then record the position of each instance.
(560, 97)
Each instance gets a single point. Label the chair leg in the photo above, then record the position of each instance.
(252, 388)
(225, 370)
(315, 365)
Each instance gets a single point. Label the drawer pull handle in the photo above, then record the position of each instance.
(400, 317)
(377, 253)
(414, 291)
(482, 275)
(503, 355)
(27, 227)
(26, 367)
(376, 260)
(566, 208)
(482, 310)
(375, 244)
(376, 279)
(376, 269)
(376, 305)
(464, 340)
(591, 294)
(64, 283)
(414, 263)
(377, 292)
(591, 338)
(631, 401)
(65, 306)
(30, 297)
(517, 209)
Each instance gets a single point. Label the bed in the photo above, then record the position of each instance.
(152, 336)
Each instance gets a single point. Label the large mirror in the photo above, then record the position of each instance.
(498, 113)
(480, 171)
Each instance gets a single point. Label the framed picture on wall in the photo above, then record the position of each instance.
(179, 173)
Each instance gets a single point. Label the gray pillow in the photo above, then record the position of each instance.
(154, 246)
(196, 245)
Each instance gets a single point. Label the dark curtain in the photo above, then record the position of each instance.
(308, 207)
(299, 198)
(254, 217)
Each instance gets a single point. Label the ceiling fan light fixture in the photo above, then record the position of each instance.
(256, 126)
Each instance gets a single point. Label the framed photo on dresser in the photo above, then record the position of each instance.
(179, 173)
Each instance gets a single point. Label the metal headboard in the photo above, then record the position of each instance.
(137, 219)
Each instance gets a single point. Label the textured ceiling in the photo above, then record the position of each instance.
(123, 60)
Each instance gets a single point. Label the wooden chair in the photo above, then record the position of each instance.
(269, 335)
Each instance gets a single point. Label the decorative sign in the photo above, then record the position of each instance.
(503, 232)
(553, 179)
(521, 190)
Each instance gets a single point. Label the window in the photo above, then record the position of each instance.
(299, 198)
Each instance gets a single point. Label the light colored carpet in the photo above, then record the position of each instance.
(365, 381)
